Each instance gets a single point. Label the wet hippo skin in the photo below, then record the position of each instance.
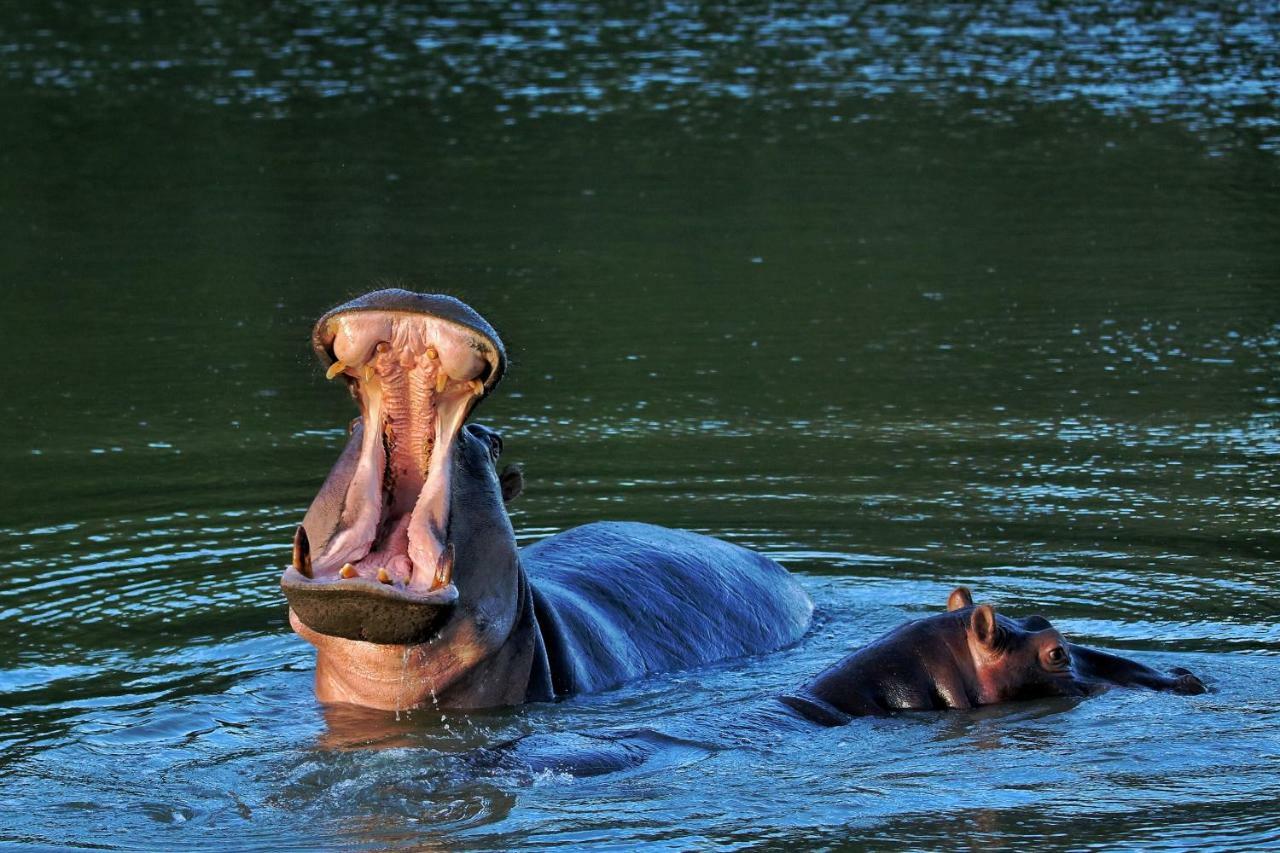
(968, 657)
(406, 576)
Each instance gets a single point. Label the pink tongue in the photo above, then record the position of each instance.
(392, 555)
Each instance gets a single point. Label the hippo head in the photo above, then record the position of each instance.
(1015, 658)
(407, 542)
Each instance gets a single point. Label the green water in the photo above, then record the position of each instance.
(901, 296)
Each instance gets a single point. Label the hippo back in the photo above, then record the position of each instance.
(617, 600)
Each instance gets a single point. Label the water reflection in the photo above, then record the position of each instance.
(352, 727)
(1211, 70)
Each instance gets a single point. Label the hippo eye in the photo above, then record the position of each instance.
(1057, 656)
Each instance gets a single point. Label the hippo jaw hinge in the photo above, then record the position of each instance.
(373, 560)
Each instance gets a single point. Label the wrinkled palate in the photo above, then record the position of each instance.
(415, 377)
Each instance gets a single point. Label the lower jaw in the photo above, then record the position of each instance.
(365, 611)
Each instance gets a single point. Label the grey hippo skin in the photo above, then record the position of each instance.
(406, 576)
(967, 657)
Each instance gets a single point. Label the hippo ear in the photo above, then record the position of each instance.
(982, 622)
(512, 482)
(959, 599)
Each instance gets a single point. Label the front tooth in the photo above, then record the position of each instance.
(442, 379)
(302, 552)
(334, 369)
(368, 372)
(347, 572)
(384, 576)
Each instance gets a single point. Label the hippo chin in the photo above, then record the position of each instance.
(967, 657)
(406, 576)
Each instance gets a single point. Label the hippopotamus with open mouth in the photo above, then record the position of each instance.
(406, 576)
(968, 657)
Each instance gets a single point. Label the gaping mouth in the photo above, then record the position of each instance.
(380, 568)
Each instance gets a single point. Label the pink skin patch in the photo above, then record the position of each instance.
(416, 378)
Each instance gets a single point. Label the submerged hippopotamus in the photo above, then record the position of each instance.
(966, 657)
(406, 576)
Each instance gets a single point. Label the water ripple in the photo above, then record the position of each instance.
(1212, 70)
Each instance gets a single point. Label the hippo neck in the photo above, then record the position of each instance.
(516, 671)
(523, 661)
(541, 682)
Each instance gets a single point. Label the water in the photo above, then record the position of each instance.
(902, 297)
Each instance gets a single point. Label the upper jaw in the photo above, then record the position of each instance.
(380, 565)
(438, 305)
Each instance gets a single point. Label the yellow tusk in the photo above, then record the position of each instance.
(368, 372)
(302, 552)
(334, 369)
(383, 576)
(477, 387)
(444, 568)
(432, 354)
(347, 571)
(442, 379)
